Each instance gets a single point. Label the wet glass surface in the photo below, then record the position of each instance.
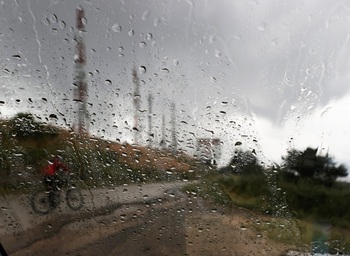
(174, 127)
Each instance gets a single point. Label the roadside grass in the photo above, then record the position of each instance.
(294, 230)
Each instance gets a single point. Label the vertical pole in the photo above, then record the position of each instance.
(150, 135)
(173, 128)
(136, 102)
(80, 93)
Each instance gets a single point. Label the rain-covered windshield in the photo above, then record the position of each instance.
(174, 127)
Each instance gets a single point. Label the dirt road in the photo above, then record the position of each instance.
(164, 223)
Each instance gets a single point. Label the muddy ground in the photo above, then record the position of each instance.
(180, 225)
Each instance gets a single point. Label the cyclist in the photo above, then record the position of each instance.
(53, 176)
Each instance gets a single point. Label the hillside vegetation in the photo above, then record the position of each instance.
(27, 145)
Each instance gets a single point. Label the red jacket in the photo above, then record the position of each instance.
(51, 169)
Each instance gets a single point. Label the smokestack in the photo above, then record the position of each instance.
(150, 135)
(80, 90)
(136, 102)
(173, 128)
(162, 141)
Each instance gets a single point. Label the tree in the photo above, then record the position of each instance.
(308, 164)
(243, 162)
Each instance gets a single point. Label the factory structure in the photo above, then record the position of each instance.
(207, 149)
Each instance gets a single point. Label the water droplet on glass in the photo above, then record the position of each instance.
(84, 21)
(243, 228)
(262, 26)
(62, 24)
(156, 22)
(142, 44)
(117, 28)
(176, 62)
(149, 36)
(213, 79)
(16, 56)
(108, 82)
(145, 197)
(145, 15)
(53, 18)
(142, 69)
(218, 53)
(165, 70)
(131, 32)
(238, 143)
(46, 21)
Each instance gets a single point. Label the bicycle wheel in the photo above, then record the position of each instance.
(40, 202)
(74, 199)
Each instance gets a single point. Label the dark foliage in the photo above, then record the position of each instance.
(243, 163)
(308, 164)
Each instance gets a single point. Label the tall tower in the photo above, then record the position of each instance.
(173, 128)
(136, 101)
(162, 143)
(80, 89)
(150, 135)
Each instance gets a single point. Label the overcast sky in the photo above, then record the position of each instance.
(272, 71)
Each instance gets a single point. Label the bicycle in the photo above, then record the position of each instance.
(44, 201)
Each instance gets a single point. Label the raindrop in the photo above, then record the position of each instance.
(46, 21)
(145, 197)
(53, 116)
(16, 56)
(262, 26)
(62, 24)
(238, 143)
(145, 15)
(54, 30)
(2, 102)
(142, 69)
(149, 36)
(53, 18)
(243, 228)
(176, 62)
(218, 53)
(131, 32)
(223, 112)
(213, 79)
(84, 21)
(213, 210)
(117, 28)
(142, 44)
(156, 22)
(108, 82)
(165, 70)
(169, 172)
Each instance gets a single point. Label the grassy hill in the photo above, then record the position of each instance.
(27, 145)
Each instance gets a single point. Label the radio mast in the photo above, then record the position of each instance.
(80, 90)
